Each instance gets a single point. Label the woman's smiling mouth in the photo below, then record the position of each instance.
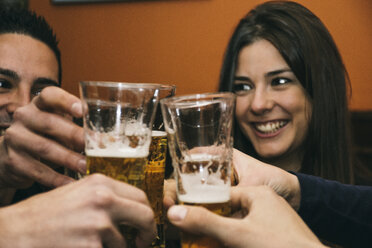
(269, 127)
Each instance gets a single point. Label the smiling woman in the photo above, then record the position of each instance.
(291, 84)
(274, 110)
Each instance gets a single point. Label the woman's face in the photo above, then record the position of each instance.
(272, 108)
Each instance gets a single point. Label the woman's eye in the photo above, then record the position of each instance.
(5, 86)
(241, 88)
(280, 81)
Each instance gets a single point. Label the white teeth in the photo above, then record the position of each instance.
(270, 127)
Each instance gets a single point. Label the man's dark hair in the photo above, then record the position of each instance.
(23, 21)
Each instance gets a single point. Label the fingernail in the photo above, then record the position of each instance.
(177, 213)
(76, 109)
(82, 166)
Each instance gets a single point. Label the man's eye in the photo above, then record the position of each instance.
(38, 88)
(280, 81)
(240, 89)
(5, 86)
(36, 91)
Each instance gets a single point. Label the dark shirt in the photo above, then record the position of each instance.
(339, 213)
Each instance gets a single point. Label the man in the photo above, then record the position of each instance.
(37, 137)
(29, 62)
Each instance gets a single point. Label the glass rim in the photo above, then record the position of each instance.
(118, 84)
(168, 86)
(199, 96)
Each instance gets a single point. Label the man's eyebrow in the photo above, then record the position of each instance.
(276, 72)
(46, 82)
(9, 73)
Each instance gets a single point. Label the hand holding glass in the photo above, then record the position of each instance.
(118, 119)
(200, 142)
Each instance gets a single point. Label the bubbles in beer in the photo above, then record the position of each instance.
(132, 142)
(155, 170)
(112, 126)
(122, 163)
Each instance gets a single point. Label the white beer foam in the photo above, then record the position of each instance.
(198, 192)
(116, 144)
(116, 152)
(206, 194)
(156, 133)
(201, 186)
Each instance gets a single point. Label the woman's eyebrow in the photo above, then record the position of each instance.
(276, 72)
(242, 78)
(268, 74)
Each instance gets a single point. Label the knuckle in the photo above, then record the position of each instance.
(9, 161)
(9, 133)
(76, 135)
(42, 147)
(148, 215)
(101, 222)
(20, 113)
(142, 197)
(96, 179)
(103, 198)
(48, 123)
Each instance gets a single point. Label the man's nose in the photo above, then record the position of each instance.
(20, 98)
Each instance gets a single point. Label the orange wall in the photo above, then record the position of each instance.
(183, 41)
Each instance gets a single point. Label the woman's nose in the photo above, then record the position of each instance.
(262, 102)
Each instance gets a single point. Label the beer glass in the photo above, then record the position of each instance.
(200, 141)
(118, 119)
(155, 168)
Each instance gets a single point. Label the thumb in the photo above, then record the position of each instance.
(200, 221)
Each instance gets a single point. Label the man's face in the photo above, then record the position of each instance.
(27, 66)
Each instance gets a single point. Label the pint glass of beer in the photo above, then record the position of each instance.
(155, 168)
(118, 119)
(200, 141)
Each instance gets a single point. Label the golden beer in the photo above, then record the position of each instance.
(126, 169)
(129, 170)
(154, 181)
(204, 180)
(193, 241)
